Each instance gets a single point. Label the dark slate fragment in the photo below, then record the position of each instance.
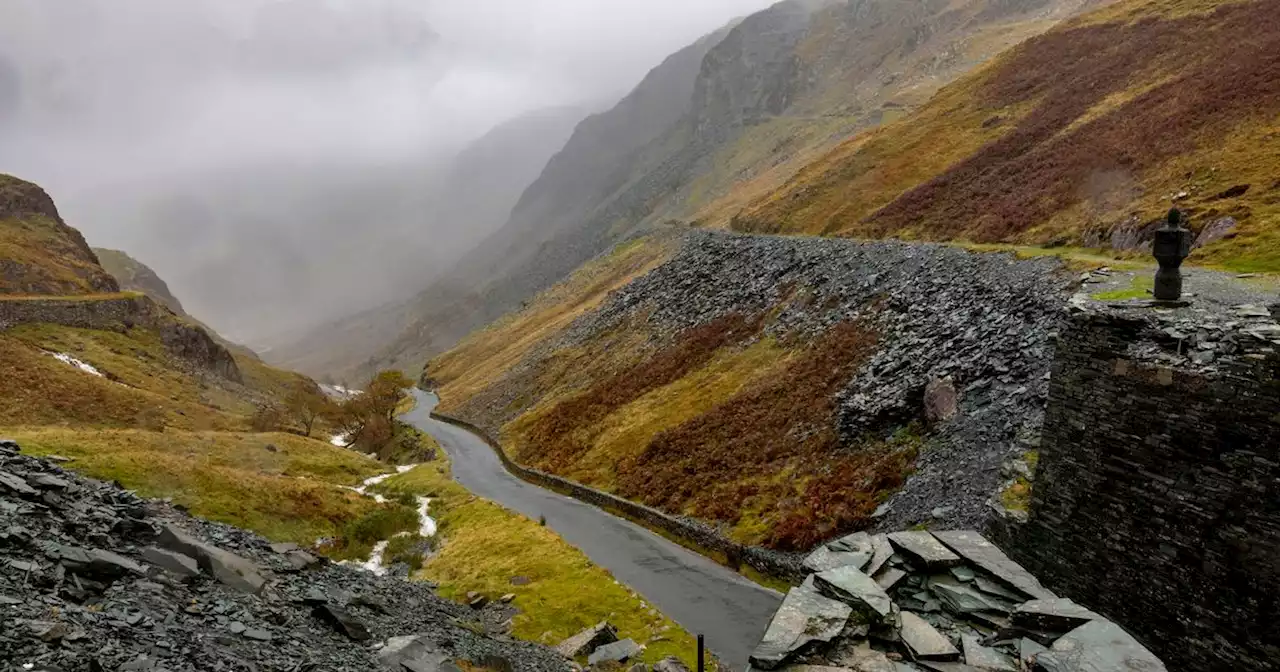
(342, 621)
(982, 553)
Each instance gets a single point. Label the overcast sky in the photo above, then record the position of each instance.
(113, 105)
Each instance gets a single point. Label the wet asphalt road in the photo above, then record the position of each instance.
(699, 594)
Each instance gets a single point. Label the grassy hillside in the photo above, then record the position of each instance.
(39, 253)
(1083, 136)
(133, 275)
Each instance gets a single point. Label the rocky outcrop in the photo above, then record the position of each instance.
(939, 601)
(42, 254)
(94, 578)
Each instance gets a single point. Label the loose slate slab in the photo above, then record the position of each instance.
(924, 548)
(228, 568)
(957, 597)
(882, 550)
(1057, 615)
(16, 484)
(823, 559)
(924, 642)
(868, 660)
(977, 550)
(984, 658)
(889, 577)
(588, 640)
(342, 621)
(615, 652)
(804, 617)
(1098, 645)
(849, 585)
(858, 542)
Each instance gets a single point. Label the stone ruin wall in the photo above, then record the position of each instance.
(1157, 498)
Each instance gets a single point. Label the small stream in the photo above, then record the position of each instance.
(426, 524)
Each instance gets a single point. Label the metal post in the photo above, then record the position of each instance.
(702, 666)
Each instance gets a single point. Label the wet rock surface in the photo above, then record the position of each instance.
(93, 577)
(955, 603)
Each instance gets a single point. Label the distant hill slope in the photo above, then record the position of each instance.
(39, 253)
(714, 126)
(1084, 136)
(133, 275)
(465, 204)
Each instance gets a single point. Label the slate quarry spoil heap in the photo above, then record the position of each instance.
(93, 577)
(936, 601)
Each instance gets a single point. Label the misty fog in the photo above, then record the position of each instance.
(285, 162)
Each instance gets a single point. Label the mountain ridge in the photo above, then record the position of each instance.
(752, 102)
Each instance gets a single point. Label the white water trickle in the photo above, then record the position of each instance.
(426, 524)
(83, 366)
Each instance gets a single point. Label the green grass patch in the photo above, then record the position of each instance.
(481, 546)
(1140, 288)
(278, 485)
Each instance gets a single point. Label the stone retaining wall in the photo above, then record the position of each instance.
(186, 342)
(1157, 497)
(702, 537)
(105, 313)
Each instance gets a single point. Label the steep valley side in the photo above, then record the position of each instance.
(784, 389)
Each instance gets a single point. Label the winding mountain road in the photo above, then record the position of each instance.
(699, 594)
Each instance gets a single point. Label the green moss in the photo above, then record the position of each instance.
(1140, 288)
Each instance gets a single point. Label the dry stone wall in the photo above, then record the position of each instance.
(188, 343)
(1157, 497)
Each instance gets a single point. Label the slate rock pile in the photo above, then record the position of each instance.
(93, 577)
(936, 601)
(981, 325)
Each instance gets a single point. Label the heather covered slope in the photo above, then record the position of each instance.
(1083, 136)
(782, 389)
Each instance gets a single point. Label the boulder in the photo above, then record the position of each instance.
(804, 617)
(983, 554)
(922, 547)
(588, 640)
(1097, 646)
(615, 652)
(940, 400)
(342, 621)
(849, 585)
(924, 642)
(228, 568)
(174, 563)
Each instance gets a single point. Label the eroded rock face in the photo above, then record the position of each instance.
(93, 577)
(943, 602)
